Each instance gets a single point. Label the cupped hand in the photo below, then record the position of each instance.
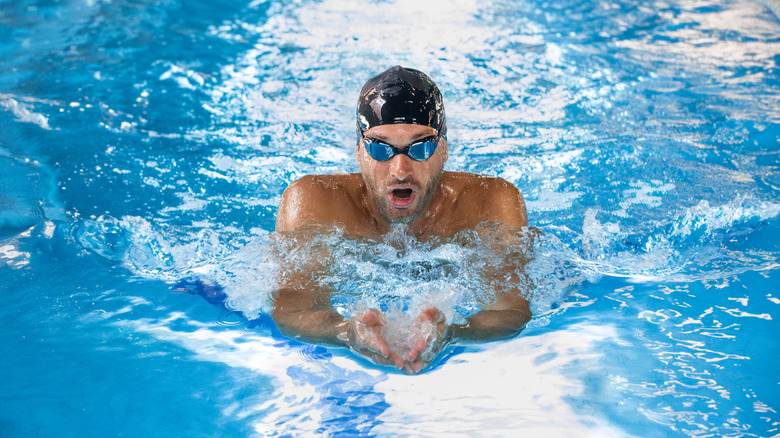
(431, 334)
(367, 339)
(428, 334)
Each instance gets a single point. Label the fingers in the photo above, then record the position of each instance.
(415, 367)
(380, 346)
(417, 349)
(369, 338)
(372, 342)
(391, 359)
(423, 343)
(371, 318)
(432, 315)
(397, 361)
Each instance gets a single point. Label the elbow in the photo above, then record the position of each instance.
(493, 325)
(285, 314)
(288, 319)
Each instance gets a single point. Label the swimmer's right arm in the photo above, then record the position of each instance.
(313, 201)
(298, 316)
(302, 310)
(298, 310)
(295, 204)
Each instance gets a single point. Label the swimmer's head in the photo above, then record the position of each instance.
(400, 95)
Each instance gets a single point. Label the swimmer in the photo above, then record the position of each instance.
(401, 151)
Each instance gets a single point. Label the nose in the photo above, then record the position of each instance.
(400, 167)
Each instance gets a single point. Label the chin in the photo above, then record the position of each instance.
(402, 220)
(398, 216)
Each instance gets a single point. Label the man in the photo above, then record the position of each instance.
(401, 152)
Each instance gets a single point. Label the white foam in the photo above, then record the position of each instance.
(13, 257)
(671, 249)
(23, 112)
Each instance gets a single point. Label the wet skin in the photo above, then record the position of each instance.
(432, 203)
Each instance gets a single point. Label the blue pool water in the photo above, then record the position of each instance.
(144, 147)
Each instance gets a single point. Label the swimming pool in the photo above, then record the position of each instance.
(144, 147)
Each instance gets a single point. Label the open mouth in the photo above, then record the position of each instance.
(401, 198)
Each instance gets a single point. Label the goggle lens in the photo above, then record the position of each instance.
(420, 151)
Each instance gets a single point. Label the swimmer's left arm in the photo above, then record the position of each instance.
(493, 324)
(508, 314)
(505, 204)
(499, 321)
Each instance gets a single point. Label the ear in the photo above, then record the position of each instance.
(445, 153)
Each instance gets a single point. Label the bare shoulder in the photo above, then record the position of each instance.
(494, 199)
(316, 199)
(320, 184)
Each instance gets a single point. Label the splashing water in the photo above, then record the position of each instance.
(402, 276)
(398, 274)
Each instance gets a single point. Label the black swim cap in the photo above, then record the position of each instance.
(400, 95)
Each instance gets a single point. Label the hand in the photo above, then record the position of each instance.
(367, 339)
(412, 353)
(431, 334)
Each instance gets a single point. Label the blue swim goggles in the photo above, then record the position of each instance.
(420, 150)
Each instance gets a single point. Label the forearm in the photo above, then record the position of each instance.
(490, 325)
(298, 319)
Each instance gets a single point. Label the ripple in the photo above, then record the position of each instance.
(229, 318)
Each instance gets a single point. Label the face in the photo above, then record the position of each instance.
(401, 187)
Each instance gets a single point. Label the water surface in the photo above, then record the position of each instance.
(143, 143)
